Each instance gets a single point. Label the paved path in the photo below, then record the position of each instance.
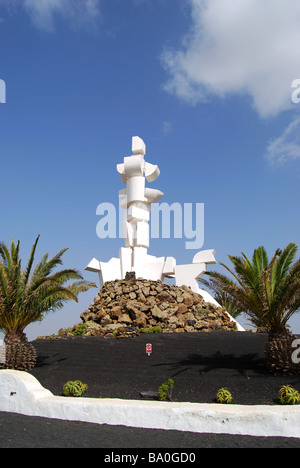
(17, 431)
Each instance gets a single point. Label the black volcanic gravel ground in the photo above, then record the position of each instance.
(199, 364)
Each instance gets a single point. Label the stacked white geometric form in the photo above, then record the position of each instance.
(136, 199)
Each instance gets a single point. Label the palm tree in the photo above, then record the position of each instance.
(268, 291)
(26, 295)
(223, 298)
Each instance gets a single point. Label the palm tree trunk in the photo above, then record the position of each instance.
(19, 354)
(278, 352)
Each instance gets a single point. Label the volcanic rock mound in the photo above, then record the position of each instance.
(126, 307)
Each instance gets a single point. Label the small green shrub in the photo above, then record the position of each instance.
(288, 395)
(165, 390)
(80, 330)
(74, 388)
(156, 329)
(224, 396)
(64, 331)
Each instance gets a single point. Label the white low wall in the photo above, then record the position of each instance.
(20, 392)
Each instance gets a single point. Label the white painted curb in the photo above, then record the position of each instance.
(20, 392)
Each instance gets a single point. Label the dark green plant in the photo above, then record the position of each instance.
(26, 295)
(74, 388)
(64, 331)
(226, 301)
(223, 298)
(288, 395)
(165, 390)
(80, 330)
(224, 396)
(268, 291)
(156, 329)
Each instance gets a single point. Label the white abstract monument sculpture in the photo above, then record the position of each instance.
(136, 199)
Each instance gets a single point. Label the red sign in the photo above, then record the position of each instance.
(148, 348)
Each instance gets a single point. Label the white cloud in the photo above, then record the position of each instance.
(246, 47)
(167, 128)
(79, 13)
(286, 147)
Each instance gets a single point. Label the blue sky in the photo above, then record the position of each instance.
(206, 84)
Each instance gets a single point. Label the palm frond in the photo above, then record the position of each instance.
(260, 259)
(286, 259)
(30, 262)
(81, 286)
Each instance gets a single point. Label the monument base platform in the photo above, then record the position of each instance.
(127, 306)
